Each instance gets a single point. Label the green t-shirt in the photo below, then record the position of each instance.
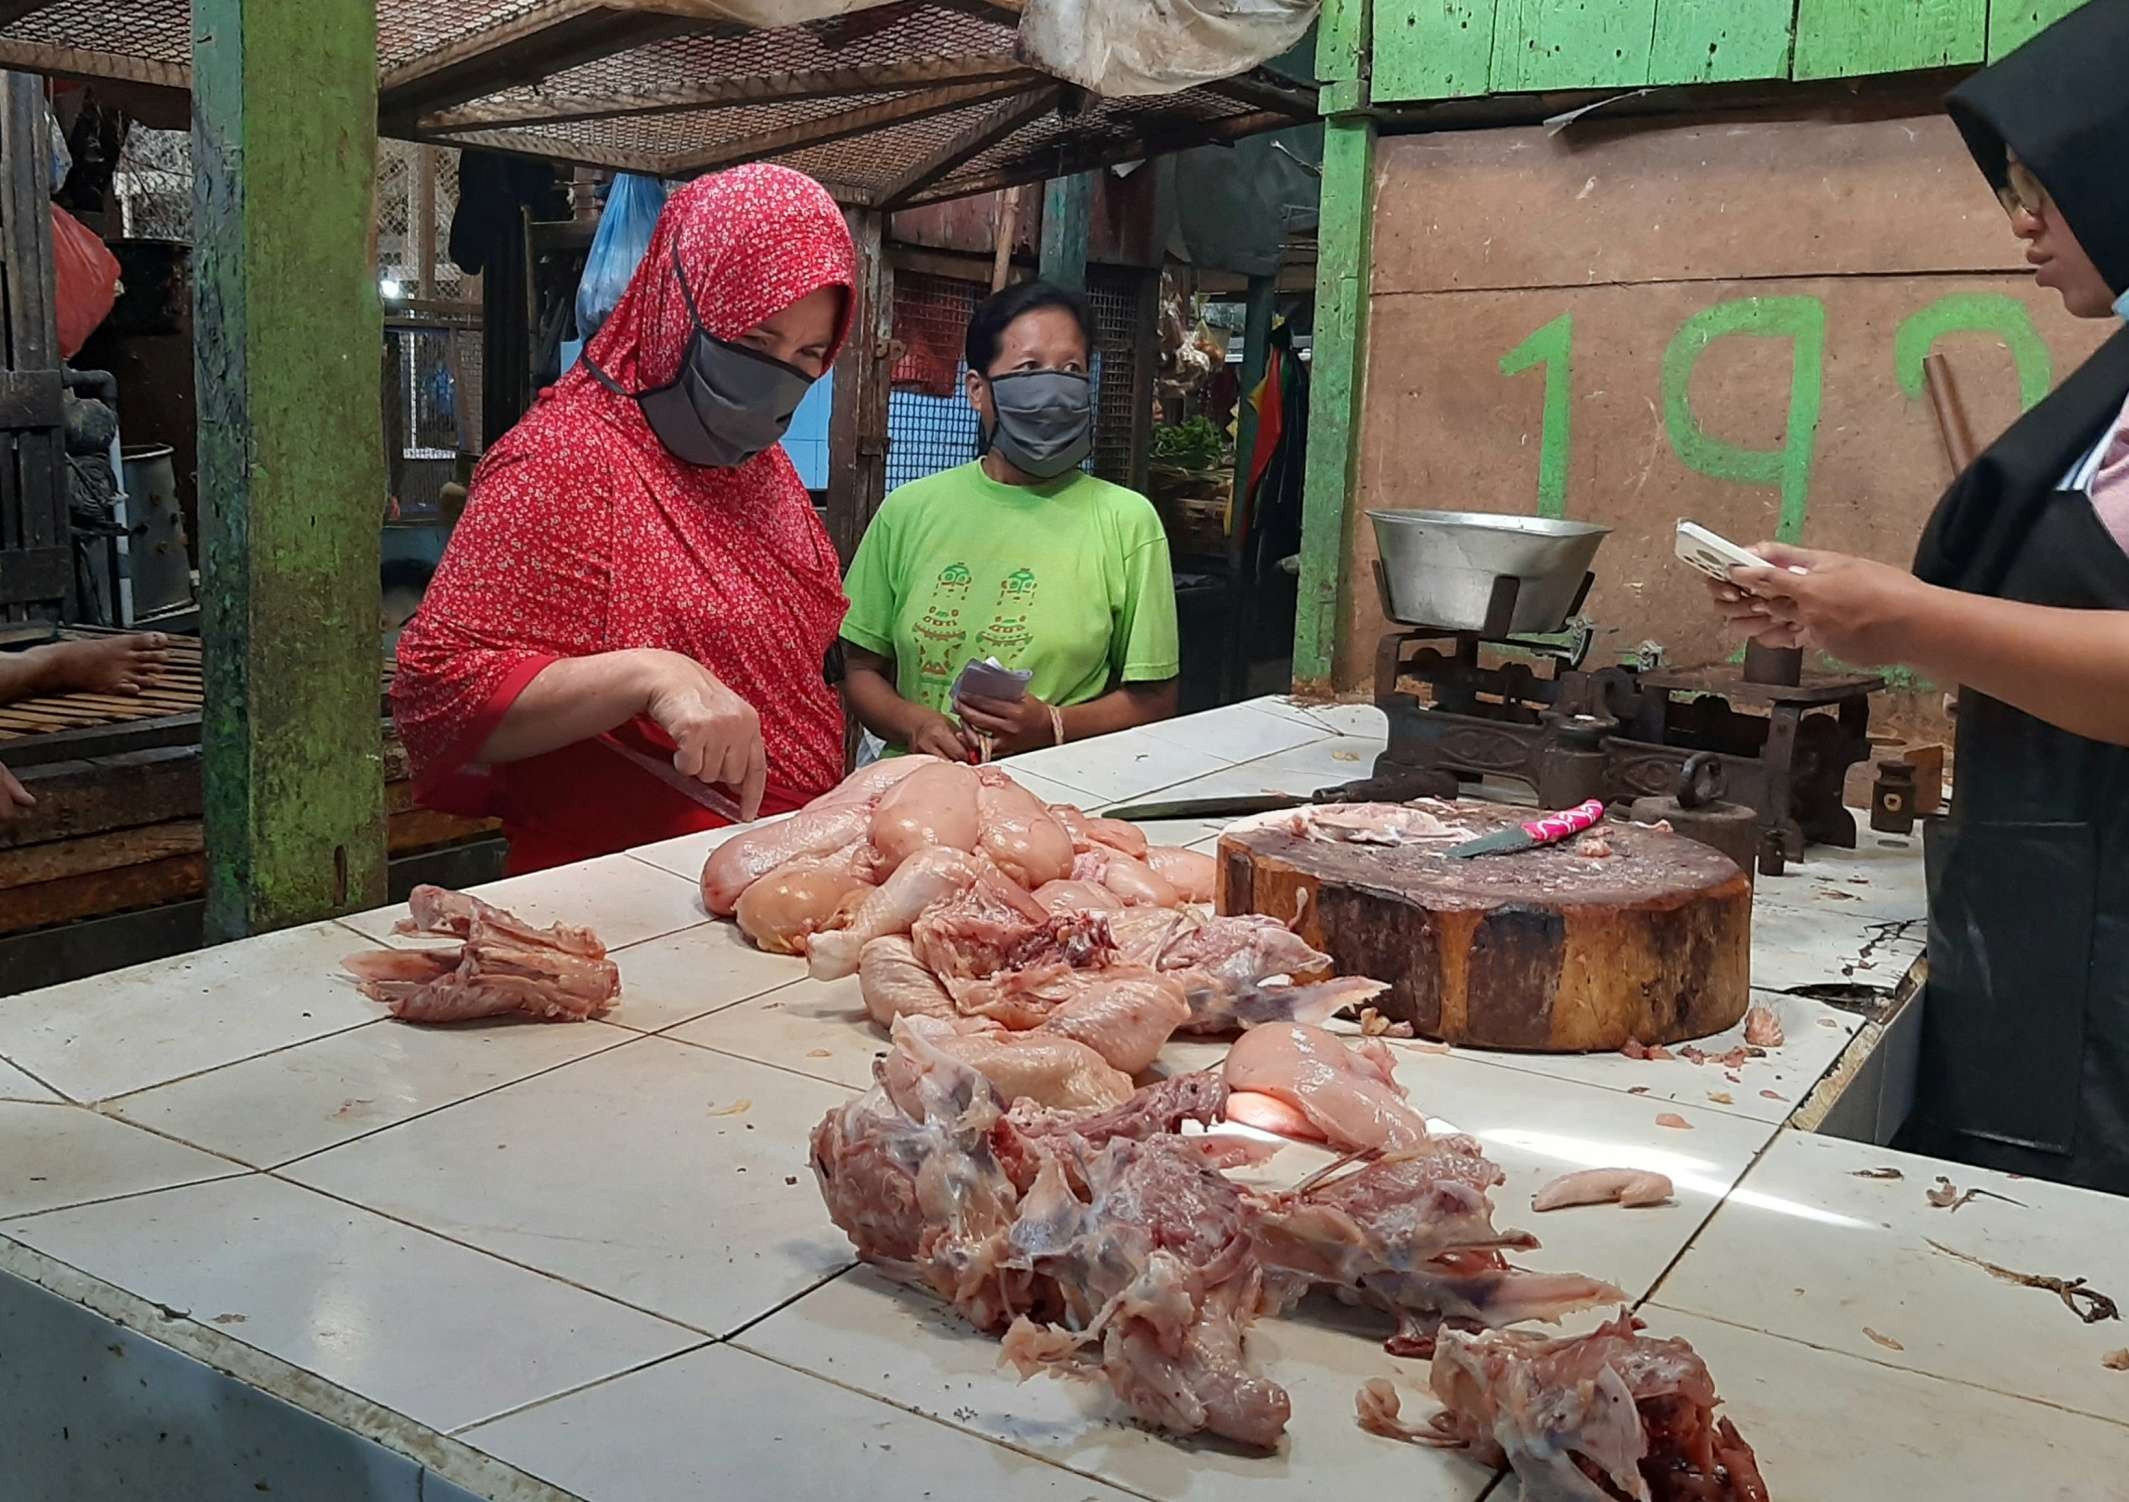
(1069, 579)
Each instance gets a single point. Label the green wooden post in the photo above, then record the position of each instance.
(1338, 360)
(1067, 210)
(287, 329)
(1431, 49)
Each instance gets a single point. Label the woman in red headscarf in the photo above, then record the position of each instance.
(639, 581)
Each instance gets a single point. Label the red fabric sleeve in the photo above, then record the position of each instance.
(525, 580)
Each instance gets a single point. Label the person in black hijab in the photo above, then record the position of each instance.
(2020, 594)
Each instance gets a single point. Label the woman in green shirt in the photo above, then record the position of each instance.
(1018, 556)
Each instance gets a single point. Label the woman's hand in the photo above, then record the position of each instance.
(933, 734)
(1858, 611)
(1014, 725)
(716, 734)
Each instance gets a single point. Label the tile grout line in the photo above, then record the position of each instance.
(725, 1053)
(1890, 1366)
(460, 1431)
(948, 1424)
(444, 1236)
(1709, 1106)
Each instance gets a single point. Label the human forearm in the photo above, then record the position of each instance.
(1120, 709)
(568, 701)
(879, 708)
(2067, 667)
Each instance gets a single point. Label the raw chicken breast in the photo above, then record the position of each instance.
(743, 860)
(895, 983)
(1078, 897)
(867, 784)
(1018, 831)
(1057, 1072)
(783, 909)
(890, 908)
(1192, 873)
(1346, 1091)
(1122, 1015)
(1130, 879)
(933, 807)
(1116, 834)
(1075, 824)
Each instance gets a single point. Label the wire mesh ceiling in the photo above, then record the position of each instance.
(902, 103)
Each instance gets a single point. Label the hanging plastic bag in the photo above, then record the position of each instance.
(84, 278)
(632, 209)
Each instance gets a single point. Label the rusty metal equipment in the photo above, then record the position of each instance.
(1470, 704)
(1697, 810)
(1893, 797)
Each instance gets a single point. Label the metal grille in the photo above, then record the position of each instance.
(153, 184)
(408, 30)
(1114, 295)
(928, 432)
(152, 33)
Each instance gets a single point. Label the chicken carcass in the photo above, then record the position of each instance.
(1019, 833)
(1192, 873)
(1412, 1234)
(1236, 968)
(1424, 821)
(932, 808)
(867, 784)
(1609, 1415)
(1119, 835)
(895, 983)
(1051, 1070)
(1137, 883)
(890, 908)
(1347, 1091)
(1078, 897)
(502, 965)
(994, 925)
(785, 908)
(1148, 1249)
(1098, 1245)
(744, 859)
(1122, 1014)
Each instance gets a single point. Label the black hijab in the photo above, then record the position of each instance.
(2061, 104)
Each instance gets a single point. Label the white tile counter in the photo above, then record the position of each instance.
(352, 1259)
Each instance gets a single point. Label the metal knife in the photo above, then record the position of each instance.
(1546, 829)
(1210, 808)
(691, 788)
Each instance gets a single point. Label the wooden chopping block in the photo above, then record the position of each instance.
(1543, 950)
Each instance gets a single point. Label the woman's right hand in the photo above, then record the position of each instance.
(933, 734)
(716, 733)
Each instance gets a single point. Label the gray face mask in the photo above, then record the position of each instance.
(725, 405)
(1045, 422)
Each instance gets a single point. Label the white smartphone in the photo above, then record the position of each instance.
(1713, 554)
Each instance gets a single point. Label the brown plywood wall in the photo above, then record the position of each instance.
(1720, 320)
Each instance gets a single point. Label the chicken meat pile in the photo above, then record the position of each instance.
(1052, 952)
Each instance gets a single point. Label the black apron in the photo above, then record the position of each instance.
(2025, 1053)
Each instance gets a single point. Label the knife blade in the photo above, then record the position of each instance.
(1546, 829)
(1210, 808)
(691, 788)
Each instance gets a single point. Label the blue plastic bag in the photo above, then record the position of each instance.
(632, 208)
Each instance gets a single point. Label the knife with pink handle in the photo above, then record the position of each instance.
(1547, 829)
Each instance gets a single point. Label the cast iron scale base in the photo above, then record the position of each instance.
(1620, 733)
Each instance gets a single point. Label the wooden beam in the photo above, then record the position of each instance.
(291, 468)
(759, 88)
(538, 147)
(36, 579)
(974, 141)
(1085, 157)
(1337, 374)
(556, 35)
(857, 420)
(1067, 223)
(1262, 302)
(1260, 91)
(844, 124)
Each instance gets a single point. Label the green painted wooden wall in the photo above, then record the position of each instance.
(1459, 49)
